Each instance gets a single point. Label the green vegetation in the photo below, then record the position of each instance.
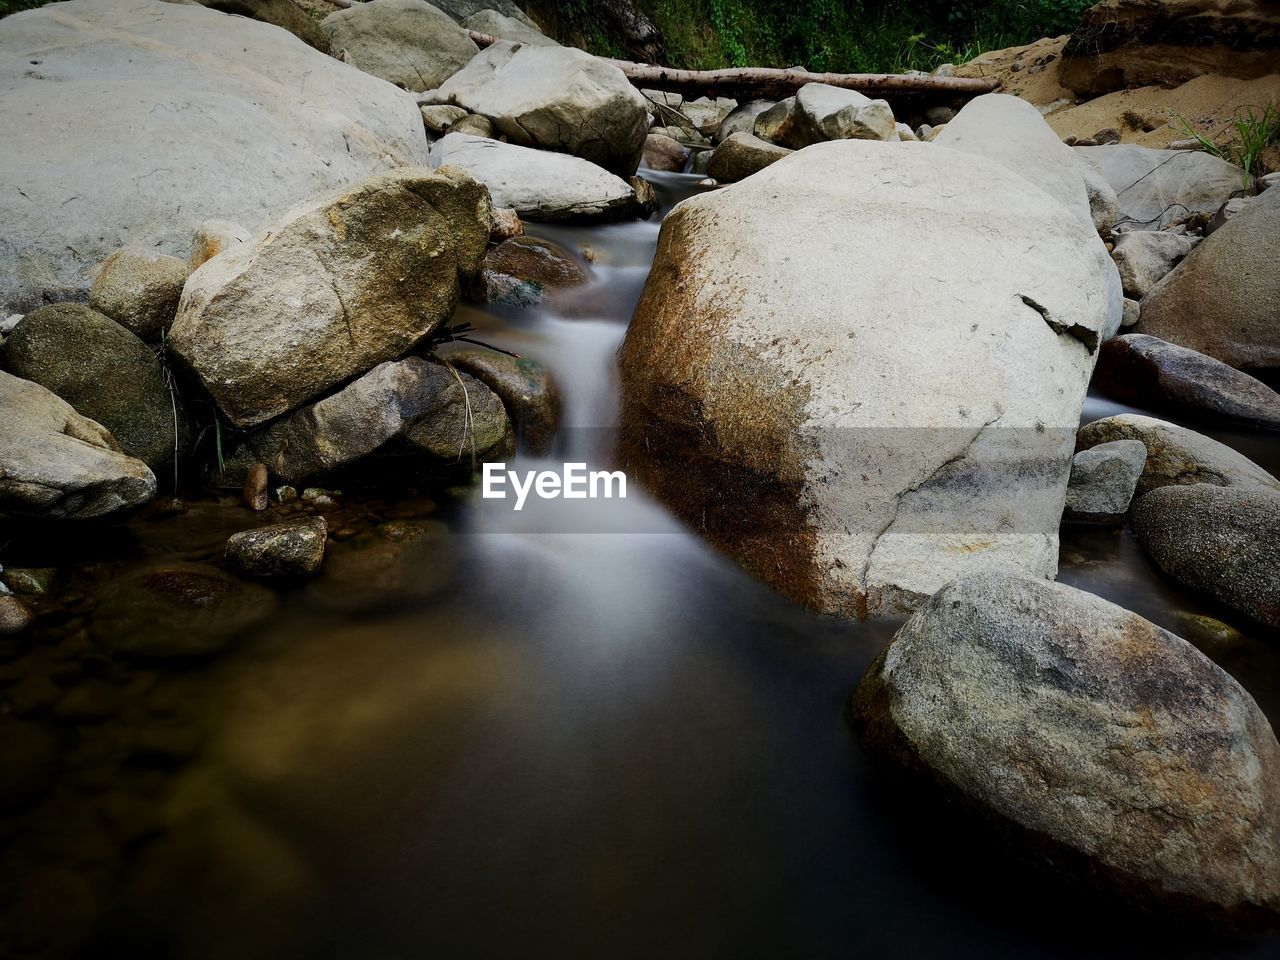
(847, 36)
(1247, 137)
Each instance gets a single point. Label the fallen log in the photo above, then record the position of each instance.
(745, 83)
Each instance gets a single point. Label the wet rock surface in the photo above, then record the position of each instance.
(1222, 541)
(1101, 744)
(1149, 372)
(1102, 482)
(291, 549)
(526, 389)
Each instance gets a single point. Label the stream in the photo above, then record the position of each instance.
(507, 735)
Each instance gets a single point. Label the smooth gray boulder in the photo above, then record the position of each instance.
(460, 10)
(1148, 372)
(1144, 257)
(556, 98)
(56, 464)
(341, 283)
(294, 548)
(537, 184)
(1177, 456)
(665, 153)
(1154, 187)
(741, 120)
(707, 113)
(107, 374)
(741, 155)
(1222, 541)
(1104, 205)
(139, 289)
(824, 112)
(406, 42)
(402, 409)
(772, 371)
(1011, 131)
(1224, 299)
(495, 24)
(1098, 744)
(1103, 479)
(239, 120)
(778, 124)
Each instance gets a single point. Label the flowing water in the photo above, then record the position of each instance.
(505, 738)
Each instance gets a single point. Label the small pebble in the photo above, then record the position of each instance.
(15, 616)
(286, 494)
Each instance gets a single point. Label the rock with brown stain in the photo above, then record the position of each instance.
(343, 282)
(1098, 743)
(255, 494)
(857, 396)
(522, 271)
(139, 289)
(1177, 456)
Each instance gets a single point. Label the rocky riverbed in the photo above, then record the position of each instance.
(276, 679)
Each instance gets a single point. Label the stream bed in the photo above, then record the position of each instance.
(481, 733)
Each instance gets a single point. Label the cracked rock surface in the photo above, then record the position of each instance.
(1100, 744)
(834, 374)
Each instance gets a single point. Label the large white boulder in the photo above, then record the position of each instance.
(537, 184)
(1010, 131)
(130, 122)
(862, 378)
(557, 98)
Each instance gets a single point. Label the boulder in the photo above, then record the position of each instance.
(240, 121)
(1103, 479)
(521, 271)
(473, 125)
(343, 282)
(495, 24)
(1123, 44)
(1104, 205)
(741, 155)
(1099, 744)
(412, 408)
(177, 611)
(1144, 257)
(741, 120)
(1219, 540)
(526, 390)
(1177, 456)
(212, 238)
(438, 117)
(406, 42)
(824, 112)
(1154, 187)
(1224, 299)
(707, 113)
(556, 98)
(460, 10)
(772, 374)
(540, 186)
(280, 13)
(291, 549)
(139, 290)
(57, 464)
(665, 153)
(1148, 372)
(107, 374)
(778, 124)
(1132, 313)
(1010, 131)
